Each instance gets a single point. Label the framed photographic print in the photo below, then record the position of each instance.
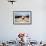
(22, 17)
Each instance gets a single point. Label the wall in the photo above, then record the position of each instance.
(9, 31)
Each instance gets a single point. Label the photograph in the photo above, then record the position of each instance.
(22, 17)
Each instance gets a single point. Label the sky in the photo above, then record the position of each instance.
(23, 13)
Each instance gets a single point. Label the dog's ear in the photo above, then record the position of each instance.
(19, 35)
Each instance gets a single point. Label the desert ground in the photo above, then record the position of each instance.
(23, 20)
